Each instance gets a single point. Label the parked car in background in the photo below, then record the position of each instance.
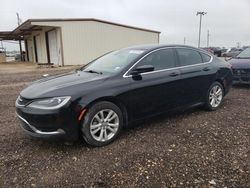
(123, 86)
(208, 50)
(217, 51)
(223, 50)
(232, 52)
(241, 67)
(214, 50)
(245, 47)
(18, 57)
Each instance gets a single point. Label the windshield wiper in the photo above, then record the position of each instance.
(93, 71)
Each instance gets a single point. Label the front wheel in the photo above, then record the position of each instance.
(102, 123)
(214, 96)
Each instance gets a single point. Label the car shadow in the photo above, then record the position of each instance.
(135, 126)
(244, 86)
(45, 144)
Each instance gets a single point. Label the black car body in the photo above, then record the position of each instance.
(138, 89)
(241, 67)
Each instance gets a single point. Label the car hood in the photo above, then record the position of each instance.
(68, 84)
(240, 63)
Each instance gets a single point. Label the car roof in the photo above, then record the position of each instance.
(149, 47)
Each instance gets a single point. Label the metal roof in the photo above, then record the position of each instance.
(6, 35)
(28, 26)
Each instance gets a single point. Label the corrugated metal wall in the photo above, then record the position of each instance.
(83, 41)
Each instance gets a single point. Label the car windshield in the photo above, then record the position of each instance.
(113, 62)
(244, 54)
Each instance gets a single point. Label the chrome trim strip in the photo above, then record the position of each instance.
(59, 131)
(127, 76)
(17, 104)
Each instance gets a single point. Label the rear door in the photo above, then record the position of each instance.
(196, 74)
(156, 91)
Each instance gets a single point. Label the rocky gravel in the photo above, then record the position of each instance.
(194, 148)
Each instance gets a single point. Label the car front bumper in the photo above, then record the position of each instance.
(241, 76)
(33, 131)
(241, 80)
(49, 124)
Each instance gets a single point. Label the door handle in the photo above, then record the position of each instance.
(206, 69)
(173, 74)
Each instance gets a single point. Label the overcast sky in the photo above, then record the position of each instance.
(227, 20)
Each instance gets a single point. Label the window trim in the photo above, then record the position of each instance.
(126, 75)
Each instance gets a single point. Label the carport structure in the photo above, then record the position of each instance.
(75, 41)
(8, 35)
(40, 41)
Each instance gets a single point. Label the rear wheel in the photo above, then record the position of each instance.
(214, 96)
(102, 123)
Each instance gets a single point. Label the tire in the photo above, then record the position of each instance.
(213, 100)
(102, 124)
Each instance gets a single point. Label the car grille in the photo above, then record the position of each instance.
(22, 101)
(241, 72)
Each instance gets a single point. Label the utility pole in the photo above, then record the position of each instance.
(208, 37)
(184, 40)
(19, 21)
(200, 14)
(238, 44)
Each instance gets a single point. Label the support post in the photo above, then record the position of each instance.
(200, 14)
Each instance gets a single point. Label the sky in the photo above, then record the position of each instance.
(227, 20)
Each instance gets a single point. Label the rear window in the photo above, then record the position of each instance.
(205, 57)
(189, 57)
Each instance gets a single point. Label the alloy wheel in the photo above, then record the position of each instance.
(104, 125)
(215, 96)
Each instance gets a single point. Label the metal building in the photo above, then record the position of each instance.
(75, 41)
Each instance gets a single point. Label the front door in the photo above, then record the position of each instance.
(156, 91)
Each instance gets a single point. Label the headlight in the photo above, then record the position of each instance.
(50, 103)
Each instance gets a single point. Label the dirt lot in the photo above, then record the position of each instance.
(192, 148)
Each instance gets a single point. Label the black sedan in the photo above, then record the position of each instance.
(104, 96)
(241, 67)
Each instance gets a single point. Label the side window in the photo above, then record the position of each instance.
(161, 59)
(188, 57)
(205, 57)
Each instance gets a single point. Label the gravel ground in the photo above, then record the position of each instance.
(194, 148)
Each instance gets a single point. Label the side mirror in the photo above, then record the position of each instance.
(142, 69)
